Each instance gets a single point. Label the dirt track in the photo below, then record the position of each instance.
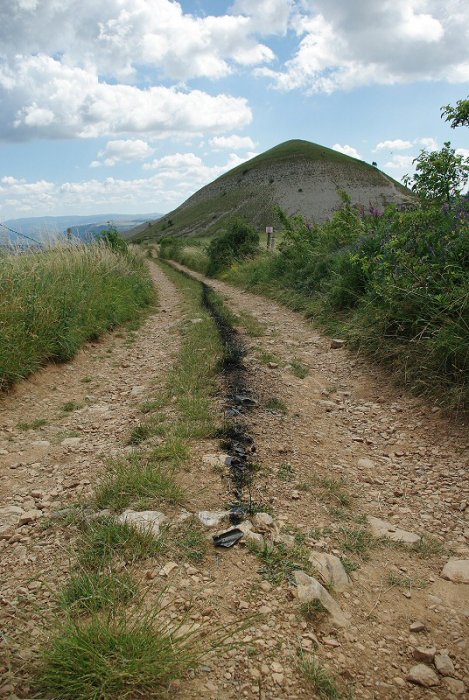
(394, 457)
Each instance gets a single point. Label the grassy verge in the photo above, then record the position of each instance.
(52, 302)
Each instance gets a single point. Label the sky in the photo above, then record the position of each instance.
(130, 106)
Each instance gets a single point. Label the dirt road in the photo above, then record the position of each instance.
(336, 444)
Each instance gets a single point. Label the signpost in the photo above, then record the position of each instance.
(270, 237)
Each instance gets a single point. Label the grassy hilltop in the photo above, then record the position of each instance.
(299, 176)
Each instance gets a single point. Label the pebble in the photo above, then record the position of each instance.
(425, 654)
(417, 627)
(443, 664)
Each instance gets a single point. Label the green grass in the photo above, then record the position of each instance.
(253, 327)
(53, 302)
(279, 561)
(320, 678)
(286, 472)
(299, 369)
(115, 656)
(93, 591)
(265, 356)
(393, 578)
(152, 405)
(356, 541)
(105, 538)
(313, 610)
(275, 405)
(143, 480)
(189, 541)
(71, 406)
(32, 425)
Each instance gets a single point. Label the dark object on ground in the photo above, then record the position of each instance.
(228, 538)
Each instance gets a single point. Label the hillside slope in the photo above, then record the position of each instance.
(299, 176)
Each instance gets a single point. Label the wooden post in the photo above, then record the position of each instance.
(270, 237)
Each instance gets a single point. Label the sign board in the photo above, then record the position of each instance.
(269, 229)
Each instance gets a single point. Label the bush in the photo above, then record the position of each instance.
(395, 283)
(239, 242)
(54, 301)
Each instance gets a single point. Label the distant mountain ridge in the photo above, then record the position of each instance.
(301, 177)
(83, 227)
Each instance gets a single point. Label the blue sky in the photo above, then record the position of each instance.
(130, 106)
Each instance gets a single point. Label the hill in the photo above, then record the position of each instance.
(299, 176)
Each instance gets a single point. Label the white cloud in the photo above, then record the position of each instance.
(233, 142)
(348, 150)
(267, 16)
(123, 150)
(42, 97)
(399, 162)
(116, 36)
(428, 143)
(393, 145)
(190, 168)
(463, 152)
(175, 178)
(346, 44)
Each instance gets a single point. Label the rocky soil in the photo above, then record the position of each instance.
(351, 470)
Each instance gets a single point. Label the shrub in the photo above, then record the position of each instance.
(239, 242)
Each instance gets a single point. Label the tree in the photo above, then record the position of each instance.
(440, 175)
(458, 115)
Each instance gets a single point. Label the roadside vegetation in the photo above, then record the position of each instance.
(111, 637)
(54, 301)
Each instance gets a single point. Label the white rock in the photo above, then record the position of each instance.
(254, 538)
(443, 664)
(144, 520)
(167, 568)
(212, 518)
(71, 442)
(9, 517)
(423, 675)
(381, 528)
(30, 516)
(309, 589)
(337, 343)
(216, 460)
(331, 570)
(456, 570)
(365, 463)
(262, 521)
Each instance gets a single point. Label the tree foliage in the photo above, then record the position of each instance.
(457, 115)
(440, 175)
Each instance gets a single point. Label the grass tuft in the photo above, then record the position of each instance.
(275, 405)
(299, 369)
(118, 656)
(93, 591)
(279, 561)
(106, 537)
(320, 678)
(138, 478)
